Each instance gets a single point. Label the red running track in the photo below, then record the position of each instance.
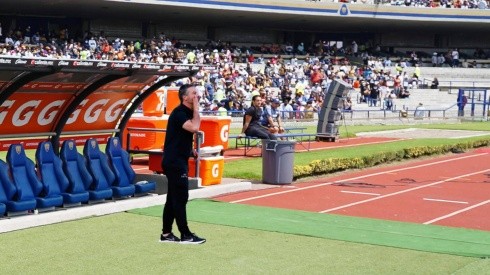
(452, 191)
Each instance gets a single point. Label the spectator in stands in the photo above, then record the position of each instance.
(419, 111)
(286, 110)
(435, 83)
(310, 110)
(455, 58)
(221, 111)
(9, 40)
(251, 121)
(347, 105)
(404, 93)
(416, 71)
(390, 98)
(355, 49)
(482, 4)
(301, 48)
(183, 122)
(441, 60)
(462, 100)
(374, 93)
(434, 60)
(365, 92)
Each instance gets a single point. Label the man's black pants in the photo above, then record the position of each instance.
(260, 132)
(177, 197)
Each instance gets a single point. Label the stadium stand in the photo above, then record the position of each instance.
(50, 168)
(120, 165)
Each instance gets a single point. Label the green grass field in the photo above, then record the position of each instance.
(126, 243)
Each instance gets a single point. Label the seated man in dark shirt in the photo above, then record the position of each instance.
(251, 121)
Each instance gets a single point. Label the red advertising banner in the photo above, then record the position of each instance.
(100, 111)
(31, 112)
(35, 112)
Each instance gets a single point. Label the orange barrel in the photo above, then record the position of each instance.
(154, 105)
(146, 140)
(172, 99)
(210, 169)
(216, 130)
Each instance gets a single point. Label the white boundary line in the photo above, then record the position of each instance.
(457, 212)
(355, 178)
(402, 191)
(439, 200)
(360, 193)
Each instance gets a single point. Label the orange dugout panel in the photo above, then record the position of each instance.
(154, 105)
(216, 130)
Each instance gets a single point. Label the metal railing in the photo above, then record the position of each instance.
(451, 85)
(473, 110)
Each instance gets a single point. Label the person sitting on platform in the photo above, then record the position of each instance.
(251, 121)
(271, 118)
(434, 84)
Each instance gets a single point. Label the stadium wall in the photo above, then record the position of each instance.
(327, 8)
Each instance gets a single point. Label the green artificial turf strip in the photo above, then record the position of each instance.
(430, 238)
(127, 244)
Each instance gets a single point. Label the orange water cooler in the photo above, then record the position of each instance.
(210, 169)
(216, 130)
(146, 140)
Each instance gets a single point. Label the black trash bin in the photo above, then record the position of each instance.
(277, 161)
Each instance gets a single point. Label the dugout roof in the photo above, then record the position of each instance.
(49, 98)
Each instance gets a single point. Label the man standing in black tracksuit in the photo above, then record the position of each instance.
(183, 122)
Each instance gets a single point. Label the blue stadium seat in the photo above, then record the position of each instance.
(76, 171)
(51, 169)
(119, 162)
(9, 197)
(25, 179)
(7, 188)
(98, 166)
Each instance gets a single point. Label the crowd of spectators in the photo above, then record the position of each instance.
(299, 84)
(458, 4)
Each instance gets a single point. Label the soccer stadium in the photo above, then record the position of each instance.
(325, 136)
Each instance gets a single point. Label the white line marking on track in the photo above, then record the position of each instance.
(457, 212)
(401, 192)
(439, 200)
(360, 193)
(356, 178)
